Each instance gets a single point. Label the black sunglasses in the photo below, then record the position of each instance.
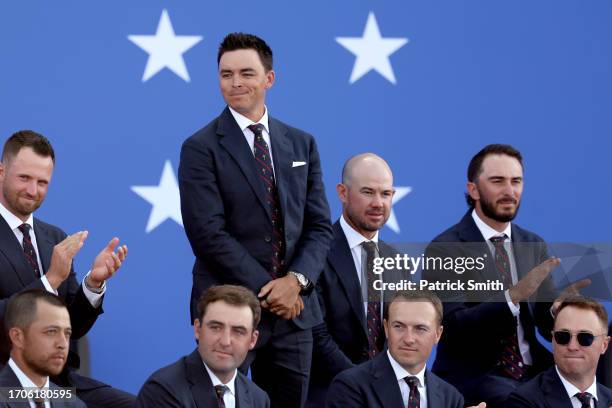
(585, 339)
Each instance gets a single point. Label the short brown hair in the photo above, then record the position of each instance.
(27, 138)
(475, 166)
(233, 295)
(243, 41)
(417, 296)
(585, 303)
(22, 308)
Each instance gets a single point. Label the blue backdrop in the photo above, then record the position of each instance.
(117, 86)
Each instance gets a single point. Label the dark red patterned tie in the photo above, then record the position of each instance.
(584, 398)
(511, 359)
(220, 390)
(263, 162)
(414, 398)
(373, 318)
(28, 249)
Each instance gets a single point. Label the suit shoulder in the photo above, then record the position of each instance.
(259, 395)
(448, 389)
(169, 374)
(450, 234)
(205, 135)
(50, 229)
(526, 235)
(293, 131)
(358, 374)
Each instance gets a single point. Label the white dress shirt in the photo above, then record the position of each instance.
(572, 390)
(401, 373)
(229, 398)
(244, 123)
(14, 222)
(488, 232)
(25, 382)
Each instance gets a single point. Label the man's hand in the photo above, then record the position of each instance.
(532, 281)
(281, 297)
(106, 263)
(573, 289)
(61, 258)
(481, 405)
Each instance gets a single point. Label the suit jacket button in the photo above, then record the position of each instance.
(268, 239)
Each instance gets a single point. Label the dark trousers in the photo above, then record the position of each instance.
(280, 362)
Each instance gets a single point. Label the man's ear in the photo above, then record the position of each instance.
(472, 190)
(439, 331)
(17, 337)
(341, 190)
(254, 337)
(270, 78)
(196, 328)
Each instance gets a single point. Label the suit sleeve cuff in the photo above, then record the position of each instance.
(94, 298)
(47, 285)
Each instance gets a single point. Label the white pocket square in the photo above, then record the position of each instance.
(298, 164)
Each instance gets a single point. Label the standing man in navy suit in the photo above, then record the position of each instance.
(489, 345)
(398, 377)
(37, 255)
(580, 337)
(345, 338)
(255, 213)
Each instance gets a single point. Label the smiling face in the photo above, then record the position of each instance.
(244, 82)
(575, 362)
(225, 336)
(412, 330)
(25, 179)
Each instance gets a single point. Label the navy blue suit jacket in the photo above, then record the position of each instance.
(473, 330)
(186, 384)
(341, 341)
(17, 276)
(373, 384)
(546, 391)
(228, 221)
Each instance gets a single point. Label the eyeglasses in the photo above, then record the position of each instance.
(585, 339)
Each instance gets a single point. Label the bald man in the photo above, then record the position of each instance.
(343, 339)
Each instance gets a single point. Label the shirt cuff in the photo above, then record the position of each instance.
(95, 299)
(514, 309)
(47, 285)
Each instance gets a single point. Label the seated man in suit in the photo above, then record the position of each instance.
(580, 337)
(208, 377)
(39, 329)
(34, 254)
(343, 339)
(398, 377)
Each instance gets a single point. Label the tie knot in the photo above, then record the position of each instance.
(498, 240)
(257, 128)
(584, 398)
(25, 229)
(412, 381)
(370, 248)
(220, 390)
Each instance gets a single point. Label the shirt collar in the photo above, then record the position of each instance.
(353, 237)
(12, 220)
(401, 372)
(488, 232)
(572, 390)
(231, 384)
(245, 122)
(24, 380)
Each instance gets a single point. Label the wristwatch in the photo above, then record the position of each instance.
(302, 280)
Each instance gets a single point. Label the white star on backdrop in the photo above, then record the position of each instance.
(164, 197)
(372, 51)
(400, 192)
(165, 49)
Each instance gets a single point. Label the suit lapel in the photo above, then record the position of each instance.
(45, 246)
(243, 398)
(553, 390)
(201, 385)
(236, 145)
(341, 260)
(385, 384)
(435, 398)
(282, 154)
(14, 254)
(469, 233)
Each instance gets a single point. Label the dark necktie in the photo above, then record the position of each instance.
(38, 403)
(220, 390)
(414, 398)
(263, 163)
(584, 398)
(511, 359)
(28, 249)
(373, 318)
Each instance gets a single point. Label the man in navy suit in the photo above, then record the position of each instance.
(255, 214)
(489, 345)
(34, 254)
(343, 339)
(226, 329)
(39, 329)
(580, 337)
(398, 377)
